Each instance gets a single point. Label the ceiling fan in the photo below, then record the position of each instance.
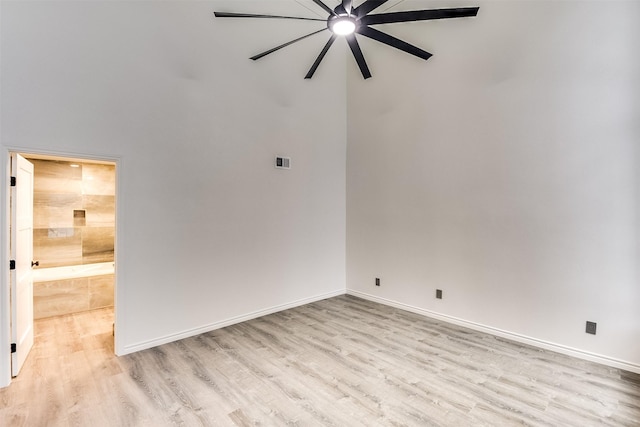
(347, 21)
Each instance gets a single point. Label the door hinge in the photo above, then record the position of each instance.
(13, 181)
(12, 264)
(13, 347)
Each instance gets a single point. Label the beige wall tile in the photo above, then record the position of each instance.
(100, 210)
(55, 210)
(97, 244)
(57, 246)
(60, 297)
(99, 179)
(101, 291)
(60, 239)
(61, 236)
(56, 177)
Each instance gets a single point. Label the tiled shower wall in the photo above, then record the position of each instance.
(73, 223)
(74, 213)
(59, 297)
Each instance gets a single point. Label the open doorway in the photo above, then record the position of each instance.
(73, 242)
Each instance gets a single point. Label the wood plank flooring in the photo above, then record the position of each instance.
(342, 361)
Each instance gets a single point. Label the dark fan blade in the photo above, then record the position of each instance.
(357, 54)
(324, 6)
(260, 55)
(325, 49)
(418, 15)
(368, 6)
(250, 15)
(347, 5)
(393, 42)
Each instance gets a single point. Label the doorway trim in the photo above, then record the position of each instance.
(5, 223)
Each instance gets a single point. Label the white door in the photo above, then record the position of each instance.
(22, 254)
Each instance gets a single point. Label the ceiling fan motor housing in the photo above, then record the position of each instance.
(342, 24)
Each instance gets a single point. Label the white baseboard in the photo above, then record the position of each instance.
(581, 354)
(592, 357)
(223, 323)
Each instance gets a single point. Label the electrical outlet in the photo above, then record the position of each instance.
(377, 281)
(591, 328)
(439, 293)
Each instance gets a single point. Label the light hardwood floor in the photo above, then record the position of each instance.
(342, 361)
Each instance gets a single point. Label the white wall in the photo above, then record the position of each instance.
(504, 171)
(208, 231)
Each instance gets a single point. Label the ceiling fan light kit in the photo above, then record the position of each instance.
(342, 25)
(346, 21)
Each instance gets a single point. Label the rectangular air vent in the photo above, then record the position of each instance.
(283, 163)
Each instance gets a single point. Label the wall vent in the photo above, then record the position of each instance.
(283, 163)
